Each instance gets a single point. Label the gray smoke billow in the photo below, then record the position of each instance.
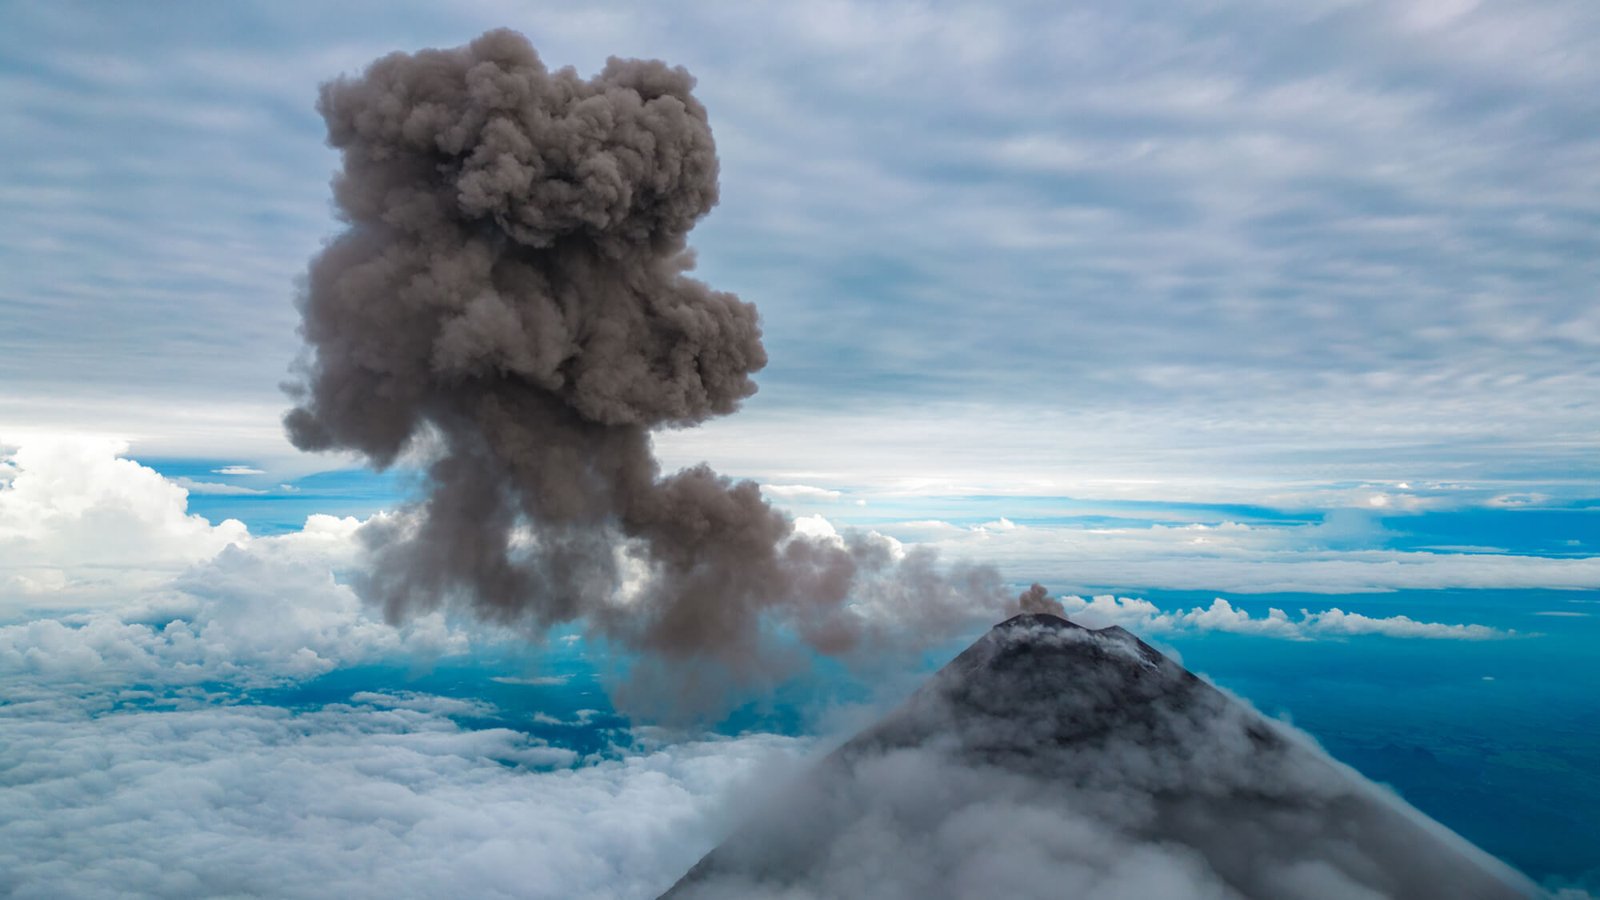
(511, 298)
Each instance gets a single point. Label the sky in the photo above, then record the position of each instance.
(1265, 330)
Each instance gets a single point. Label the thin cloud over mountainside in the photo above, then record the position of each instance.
(1051, 760)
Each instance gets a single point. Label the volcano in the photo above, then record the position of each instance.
(1051, 760)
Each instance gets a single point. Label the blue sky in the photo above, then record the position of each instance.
(1292, 304)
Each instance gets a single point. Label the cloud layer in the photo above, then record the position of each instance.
(129, 768)
(142, 591)
(181, 601)
(380, 797)
(1242, 240)
(1343, 554)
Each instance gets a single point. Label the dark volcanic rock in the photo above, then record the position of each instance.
(1048, 760)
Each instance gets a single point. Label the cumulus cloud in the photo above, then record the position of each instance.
(157, 595)
(382, 797)
(1144, 617)
(257, 614)
(79, 525)
(1336, 621)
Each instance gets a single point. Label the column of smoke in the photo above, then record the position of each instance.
(511, 300)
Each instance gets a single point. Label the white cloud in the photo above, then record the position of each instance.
(801, 492)
(378, 799)
(536, 680)
(238, 470)
(1338, 622)
(816, 527)
(171, 598)
(1222, 451)
(1335, 556)
(80, 526)
(1143, 617)
(264, 613)
(432, 704)
(214, 487)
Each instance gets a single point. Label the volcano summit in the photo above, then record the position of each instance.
(1049, 760)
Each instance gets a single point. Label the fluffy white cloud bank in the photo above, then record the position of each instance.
(262, 613)
(80, 525)
(1143, 617)
(381, 797)
(162, 596)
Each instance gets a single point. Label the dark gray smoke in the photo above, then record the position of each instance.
(511, 300)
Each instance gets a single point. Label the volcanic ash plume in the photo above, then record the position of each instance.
(511, 299)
